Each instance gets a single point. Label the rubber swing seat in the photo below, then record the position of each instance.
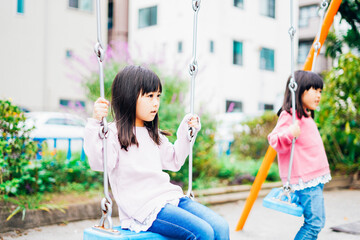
(272, 201)
(92, 234)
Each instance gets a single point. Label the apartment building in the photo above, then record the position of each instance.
(39, 37)
(243, 49)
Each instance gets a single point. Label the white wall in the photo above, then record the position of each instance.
(218, 79)
(33, 65)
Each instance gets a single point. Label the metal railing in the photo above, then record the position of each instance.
(55, 141)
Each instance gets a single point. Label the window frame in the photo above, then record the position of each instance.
(238, 105)
(80, 5)
(270, 8)
(238, 4)
(264, 53)
(20, 7)
(150, 21)
(236, 54)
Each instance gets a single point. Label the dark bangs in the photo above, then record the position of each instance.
(305, 80)
(149, 82)
(310, 80)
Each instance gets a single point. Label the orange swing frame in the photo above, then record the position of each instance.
(271, 153)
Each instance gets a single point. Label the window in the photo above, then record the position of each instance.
(86, 5)
(20, 6)
(237, 53)
(239, 3)
(180, 47)
(267, 8)
(305, 13)
(304, 49)
(110, 15)
(211, 47)
(267, 59)
(69, 53)
(233, 106)
(266, 106)
(147, 17)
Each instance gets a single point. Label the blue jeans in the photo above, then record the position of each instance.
(190, 220)
(312, 200)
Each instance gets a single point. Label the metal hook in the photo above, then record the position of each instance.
(293, 86)
(292, 31)
(99, 51)
(106, 208)
(196, 5)
(193, 68)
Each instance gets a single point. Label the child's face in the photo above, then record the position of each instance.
(147, 106)
(311, 98)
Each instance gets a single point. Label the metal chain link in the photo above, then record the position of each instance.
(193, 69)
(317, 44)
(106, 202)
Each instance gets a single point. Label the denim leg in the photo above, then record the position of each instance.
(177, 223)
(218, 223)
(312, 200)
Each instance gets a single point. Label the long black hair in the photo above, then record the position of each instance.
(305, 80)
(126, 88)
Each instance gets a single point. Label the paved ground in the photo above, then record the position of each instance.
(342, 206)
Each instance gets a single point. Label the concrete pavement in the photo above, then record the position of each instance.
(342, 206)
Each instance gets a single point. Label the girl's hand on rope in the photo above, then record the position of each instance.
(295, 129)
(194, 121)
(101, 107)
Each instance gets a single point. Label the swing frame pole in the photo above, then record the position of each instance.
(271, 153)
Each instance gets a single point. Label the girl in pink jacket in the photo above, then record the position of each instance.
(310, 169)
(138, 152)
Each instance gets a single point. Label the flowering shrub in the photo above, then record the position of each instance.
(16, 149)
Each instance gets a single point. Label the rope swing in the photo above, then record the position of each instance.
(193, 69)
(283, 199)
(106, 202)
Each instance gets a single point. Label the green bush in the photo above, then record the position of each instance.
(339, 115)
(252, 144)
(16, 149)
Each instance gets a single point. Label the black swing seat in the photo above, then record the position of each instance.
(273, 201)
(93, 234)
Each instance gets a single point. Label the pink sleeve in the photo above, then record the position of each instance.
(173, 156)
(93, 146)
(280, 138)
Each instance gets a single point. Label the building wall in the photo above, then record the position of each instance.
(119, 31)
(218, 79)
(34, 69)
